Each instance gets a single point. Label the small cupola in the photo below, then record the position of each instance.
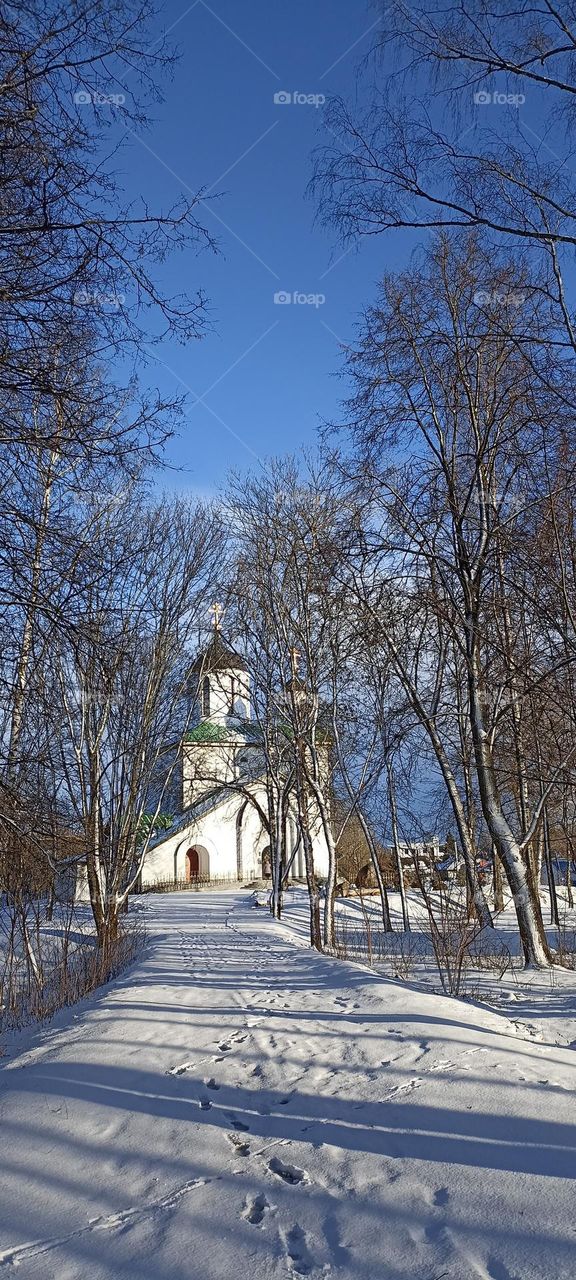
(221, 683)
(296, 689)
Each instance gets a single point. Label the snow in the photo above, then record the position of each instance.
(544, 1001)
(238, 1105)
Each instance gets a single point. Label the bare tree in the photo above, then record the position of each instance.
(122, 681)
(72, 250)
(281, 523)
(446, 401)
(444, 142)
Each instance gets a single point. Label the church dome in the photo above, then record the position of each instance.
(218, 656)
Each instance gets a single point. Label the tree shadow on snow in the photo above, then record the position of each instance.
(406, 1129)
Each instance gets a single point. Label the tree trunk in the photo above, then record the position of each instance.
(554, 915)
(569, 865)
(278, 843)
(468, 852)
(311, 881)
(93, 854)
(530, 924)
(396, 846)
(329, 933)
(498, 886)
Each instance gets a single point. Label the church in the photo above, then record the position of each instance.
(218, 789)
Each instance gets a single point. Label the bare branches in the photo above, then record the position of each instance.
(459, 134)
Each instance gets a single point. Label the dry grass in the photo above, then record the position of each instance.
(566, 947)
(40, 975)
(446, 934)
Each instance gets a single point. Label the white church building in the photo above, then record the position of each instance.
(218, 791)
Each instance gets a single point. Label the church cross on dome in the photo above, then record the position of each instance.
(295, 656)
(216, 610)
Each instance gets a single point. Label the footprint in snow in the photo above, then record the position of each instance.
(497, 1270)
(299, 1256)
(236, 1123)
(211, 1083)
(241, 1147)
(437, 1233)
(256, 1210)
(289, 1173)
(205, 1104)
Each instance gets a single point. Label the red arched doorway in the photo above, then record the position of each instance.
(192, 864)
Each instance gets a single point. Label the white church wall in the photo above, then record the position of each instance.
(233, 839)
(215, 832)
(252, 836)
(204, 764)
(222, 694)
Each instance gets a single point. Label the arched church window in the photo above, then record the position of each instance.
(206, 697)
(232, 694)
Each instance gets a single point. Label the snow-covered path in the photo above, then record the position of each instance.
(238, 1105)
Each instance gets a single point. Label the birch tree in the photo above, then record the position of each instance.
(281, 521)
(122, 681)
(454, 401)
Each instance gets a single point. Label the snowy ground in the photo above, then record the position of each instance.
(543, 1001)
(238, 1105)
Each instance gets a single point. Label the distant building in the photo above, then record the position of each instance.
(218, 790)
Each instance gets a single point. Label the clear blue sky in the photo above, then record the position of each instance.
(267, 371)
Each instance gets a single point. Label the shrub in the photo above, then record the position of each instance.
(41, 974)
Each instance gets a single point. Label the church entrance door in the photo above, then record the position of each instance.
(192, 864)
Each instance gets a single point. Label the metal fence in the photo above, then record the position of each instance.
(195, 884)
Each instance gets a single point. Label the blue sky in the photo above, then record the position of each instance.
(267, 372)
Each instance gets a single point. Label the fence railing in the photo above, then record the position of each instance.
(195, 884)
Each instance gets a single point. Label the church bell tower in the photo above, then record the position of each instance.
(222, 682)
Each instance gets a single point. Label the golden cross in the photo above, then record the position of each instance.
(294, 661)
(216, 610)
